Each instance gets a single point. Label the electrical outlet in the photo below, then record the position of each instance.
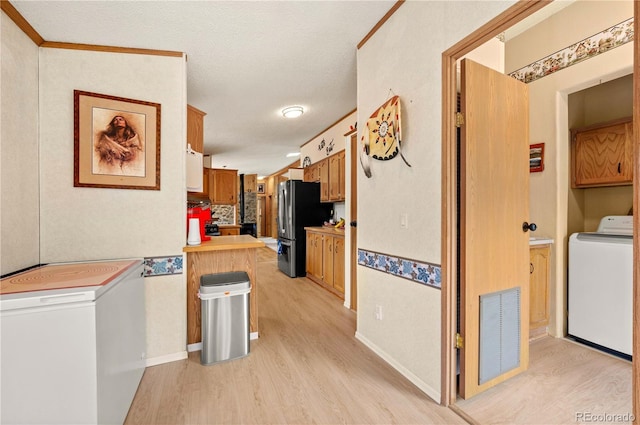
(378, 312)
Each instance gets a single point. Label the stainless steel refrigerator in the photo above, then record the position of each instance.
(299, 206)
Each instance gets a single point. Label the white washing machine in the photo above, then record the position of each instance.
(600, 286)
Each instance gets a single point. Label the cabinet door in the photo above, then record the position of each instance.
(195, 134)
(309, 254)
(223, 186)
(338, 264)
(323, 167)
(327, 259)
(341, 185)
(205, 180)
(229, 231)
(316, 258)
(539, 287)
(334, 178)
(602, 155)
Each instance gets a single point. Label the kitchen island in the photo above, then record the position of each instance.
(218, 255)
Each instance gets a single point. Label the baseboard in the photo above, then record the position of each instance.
(154, 361)
(424, 387)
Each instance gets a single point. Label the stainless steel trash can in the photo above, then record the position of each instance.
(225, 316)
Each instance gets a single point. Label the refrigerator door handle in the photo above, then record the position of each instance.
(283, 243)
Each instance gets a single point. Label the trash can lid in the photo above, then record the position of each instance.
(228, 278)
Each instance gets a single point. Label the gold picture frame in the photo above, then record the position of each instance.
(116, 142)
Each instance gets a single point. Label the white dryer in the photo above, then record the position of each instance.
(600, 285)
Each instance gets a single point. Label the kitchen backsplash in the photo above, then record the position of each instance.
(224, 213)
(250, 207)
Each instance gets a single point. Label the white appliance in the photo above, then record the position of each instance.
(73, 342)
(194, 170)
(600, 286)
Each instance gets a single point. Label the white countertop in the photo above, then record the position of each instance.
(540, 240)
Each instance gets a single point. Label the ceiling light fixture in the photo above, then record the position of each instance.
(292, 111)
(292, 154)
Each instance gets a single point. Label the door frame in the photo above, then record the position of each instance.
(493, 28)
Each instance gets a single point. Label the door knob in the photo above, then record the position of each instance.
(529, 226)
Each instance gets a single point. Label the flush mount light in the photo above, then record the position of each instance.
(292, 111)
(292, 154)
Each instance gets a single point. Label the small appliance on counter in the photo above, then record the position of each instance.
(199, 209)
(211, 228)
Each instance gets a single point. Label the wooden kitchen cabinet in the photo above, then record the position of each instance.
(232, 230)
(195, 126)
(311, 173)
(330, 172)
(251, 183)
(336, 177)
(602, 154)
(314, 255)
(538, 290)
(323, 171)
(325, 258)
(223, 186)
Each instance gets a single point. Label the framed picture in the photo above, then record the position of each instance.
(536, 157)
(260, 187)
(116, 142)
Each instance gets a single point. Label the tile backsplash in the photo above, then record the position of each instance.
(225, 213)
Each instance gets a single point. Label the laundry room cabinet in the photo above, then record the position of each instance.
(538, 290)
(602, 154)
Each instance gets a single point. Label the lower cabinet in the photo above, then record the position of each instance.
(229, 231)
(325, 259)
(538, 290)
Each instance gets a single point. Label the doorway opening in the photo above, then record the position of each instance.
(450, 179)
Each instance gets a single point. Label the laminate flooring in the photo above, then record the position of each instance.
(305, 368)
(567, 383)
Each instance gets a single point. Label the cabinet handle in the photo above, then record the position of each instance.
(619, 168)
(530, 268)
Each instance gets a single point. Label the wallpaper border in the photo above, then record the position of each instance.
(161, 266)
(587, 48)
(417, 271)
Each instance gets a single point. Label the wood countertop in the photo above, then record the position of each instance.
(326, 229)
(229, 226)
(225, 243)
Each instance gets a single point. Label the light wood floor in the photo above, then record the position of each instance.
(305, 368)
(564, 380)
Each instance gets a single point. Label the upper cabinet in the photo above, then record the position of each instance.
(602, 154)
(195, 133)
(336, 177)
(330, 173)
(223, 186)
(251, 183)
(312, 173)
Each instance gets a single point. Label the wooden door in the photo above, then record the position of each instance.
(494, 204)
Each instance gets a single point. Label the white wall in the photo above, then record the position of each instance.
(94, 223)
(550, 195)
(405, 55)
(335, 133)
(19, 209)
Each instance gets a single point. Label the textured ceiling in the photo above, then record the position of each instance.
(246, 61)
